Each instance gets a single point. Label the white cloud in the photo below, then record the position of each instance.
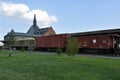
(22, 11)
(10, 9)
(42, 16)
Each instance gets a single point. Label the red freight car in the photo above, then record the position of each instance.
(100, 42)
(52, 41)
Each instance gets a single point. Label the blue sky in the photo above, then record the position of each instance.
(65, 16)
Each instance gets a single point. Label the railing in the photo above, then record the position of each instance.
(32, 47)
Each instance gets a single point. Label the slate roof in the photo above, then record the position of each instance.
(32, 30)
(38, 32)
(41, 31)
(35, 30)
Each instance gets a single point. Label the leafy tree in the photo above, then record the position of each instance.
(72, 47)
(10, 40)
(58, 51)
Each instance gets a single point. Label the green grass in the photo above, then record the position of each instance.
(36, 66)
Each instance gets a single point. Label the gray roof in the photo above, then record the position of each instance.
(38, 32)
(110, 31)
(41, 31)
(34, 27)
(34, 30)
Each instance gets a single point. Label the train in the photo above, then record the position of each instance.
(101, 41)
(104, 41)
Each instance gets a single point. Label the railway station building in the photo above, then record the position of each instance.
(32, 32)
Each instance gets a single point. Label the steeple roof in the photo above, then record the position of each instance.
(34, 27)
(35, 21)
(12, 31)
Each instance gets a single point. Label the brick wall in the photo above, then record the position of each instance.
(50, 32)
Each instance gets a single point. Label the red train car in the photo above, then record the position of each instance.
(103, 39)
(100, 42)
(52, 41)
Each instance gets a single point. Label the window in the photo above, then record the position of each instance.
(37, 32)
(94, 41)
(41, 32)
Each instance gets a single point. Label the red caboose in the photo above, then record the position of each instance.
(105, 40)
(98, 41)
(108, 40)
(52, 41)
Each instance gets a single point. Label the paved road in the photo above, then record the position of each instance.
(82, 54)
(99, 56)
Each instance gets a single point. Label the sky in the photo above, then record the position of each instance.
(65, 16)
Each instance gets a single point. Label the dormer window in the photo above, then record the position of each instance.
(41, 32)
(37, 32)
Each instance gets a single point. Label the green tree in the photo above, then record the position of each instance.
(10, 40)
(72, 47)
(59, 51)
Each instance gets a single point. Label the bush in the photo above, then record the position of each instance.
(22, 49)
(72, 47)
(58, 51)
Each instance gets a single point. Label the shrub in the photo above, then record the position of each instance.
(22, 49)
(58, 51)
(72, 47)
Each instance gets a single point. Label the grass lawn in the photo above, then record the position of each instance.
(36, 66)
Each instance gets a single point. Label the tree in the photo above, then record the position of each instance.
(72, 47)
(10, 40)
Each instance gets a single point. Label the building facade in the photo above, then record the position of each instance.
(34, 31)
